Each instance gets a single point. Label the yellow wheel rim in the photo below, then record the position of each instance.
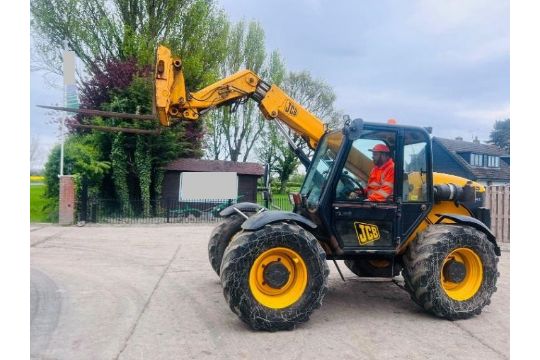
(278, 297)
(471, 282)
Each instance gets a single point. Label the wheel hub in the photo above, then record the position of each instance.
(454, 271)
(276, 275)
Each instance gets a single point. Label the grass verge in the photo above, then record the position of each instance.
(37, 204)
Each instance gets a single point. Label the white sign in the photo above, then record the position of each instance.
(69, 67)
(208, 185)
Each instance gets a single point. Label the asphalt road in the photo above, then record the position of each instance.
(148, 292)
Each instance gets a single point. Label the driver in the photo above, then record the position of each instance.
(380, 185)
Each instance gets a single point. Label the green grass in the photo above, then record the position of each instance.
(280, 201)
(37, 202)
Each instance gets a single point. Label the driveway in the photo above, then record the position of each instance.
(148, 292)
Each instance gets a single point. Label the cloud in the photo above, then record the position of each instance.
(486, 114)
(440, 17)
(478, 52)
(448, 116)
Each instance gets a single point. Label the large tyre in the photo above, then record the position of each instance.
(221, 237)
(373, 268)
(275, 277)
(451, 271)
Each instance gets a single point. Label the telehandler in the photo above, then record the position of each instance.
(273, 266)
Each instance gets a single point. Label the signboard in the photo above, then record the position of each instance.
(70, 86)
(208, 185)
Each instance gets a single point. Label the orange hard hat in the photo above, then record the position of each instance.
(380, 148)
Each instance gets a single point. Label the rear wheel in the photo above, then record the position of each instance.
(451, 271)
(373, 268)
(274, 278)
(221, 237)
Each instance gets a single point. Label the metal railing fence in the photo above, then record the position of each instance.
(111, 211)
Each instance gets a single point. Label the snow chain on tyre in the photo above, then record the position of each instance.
(275, 277)
(451, 271)
(221, 237)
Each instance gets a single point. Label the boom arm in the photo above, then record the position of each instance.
(172, 100)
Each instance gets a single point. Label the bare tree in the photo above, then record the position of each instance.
(35, 147)
(233, 134)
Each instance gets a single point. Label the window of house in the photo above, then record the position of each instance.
(476, 160)
(493, 161)
(484, 160)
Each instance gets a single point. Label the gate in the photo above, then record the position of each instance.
(498, 201)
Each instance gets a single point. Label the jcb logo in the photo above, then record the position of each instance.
(291, 109)
(366, 232)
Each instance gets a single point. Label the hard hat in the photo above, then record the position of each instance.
(380, 148)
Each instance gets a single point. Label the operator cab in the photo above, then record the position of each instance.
(342, 165)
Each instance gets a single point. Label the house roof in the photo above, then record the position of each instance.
(481, 173)
(199, 165)
(466, 146)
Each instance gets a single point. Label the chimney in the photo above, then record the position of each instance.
(476, 141)
(459, 138)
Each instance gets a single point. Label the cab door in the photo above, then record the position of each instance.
(360, 224)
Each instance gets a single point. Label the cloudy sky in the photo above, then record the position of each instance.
(443, 64)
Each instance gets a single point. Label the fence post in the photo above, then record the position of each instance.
(168, 202)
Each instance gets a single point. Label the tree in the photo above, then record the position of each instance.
(316, 96)
(269, 139)
(99, 30)
(116, 42)
(234, 132)
(500, 135)
(81, 158)
(35, 146)
(136, 160)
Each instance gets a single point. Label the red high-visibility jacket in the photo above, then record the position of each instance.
(380, 185)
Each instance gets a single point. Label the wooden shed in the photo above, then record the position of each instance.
(247, 175)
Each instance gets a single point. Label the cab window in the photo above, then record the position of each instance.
(354, 177)
(415, 170)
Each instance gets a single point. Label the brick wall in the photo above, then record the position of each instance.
(67, 200)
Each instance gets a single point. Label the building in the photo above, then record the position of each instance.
(485, 164)
(190, 179)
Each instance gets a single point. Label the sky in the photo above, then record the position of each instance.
(444, 64)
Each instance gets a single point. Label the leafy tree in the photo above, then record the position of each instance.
(500, 135)
(116, 42)
(99, 30)
(137, 160)
(81, 158)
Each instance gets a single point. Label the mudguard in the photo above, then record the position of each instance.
(475, 223)
(258, 221)
(243, 206)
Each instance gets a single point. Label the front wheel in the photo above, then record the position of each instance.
(221, 237)
(274, 278)
(451, 271)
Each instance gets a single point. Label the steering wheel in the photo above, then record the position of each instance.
(350, 184)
